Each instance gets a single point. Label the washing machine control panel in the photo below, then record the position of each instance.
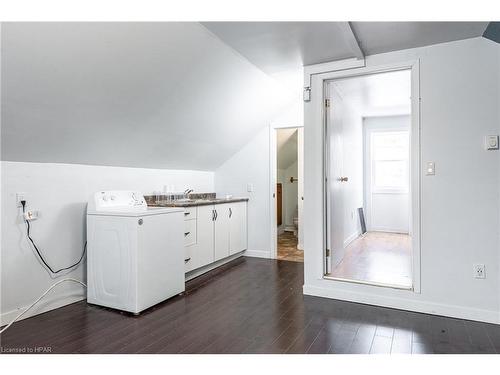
(119, 199)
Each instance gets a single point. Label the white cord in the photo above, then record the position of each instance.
(38, 300)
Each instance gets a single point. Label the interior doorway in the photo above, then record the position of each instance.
(287, 190)
(368, 179)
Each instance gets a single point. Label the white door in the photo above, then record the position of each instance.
(221, 230)
(237, 227)
(202, 253)
(334, 180)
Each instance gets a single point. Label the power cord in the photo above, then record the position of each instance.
(38, 300)
(23, 203)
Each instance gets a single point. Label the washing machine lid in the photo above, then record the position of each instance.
(137, 212)
(123, 203)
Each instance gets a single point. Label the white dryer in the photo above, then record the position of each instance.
(135, 253)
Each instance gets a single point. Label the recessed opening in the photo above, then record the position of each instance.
(287, 195)
(368, 179)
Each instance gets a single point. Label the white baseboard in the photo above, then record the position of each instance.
(352, 237)
(389, 230)
(200, 271)
(45, 305)
(257, 254)
(433, 308)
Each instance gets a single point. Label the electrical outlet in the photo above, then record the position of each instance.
(479, 271)
(31, 215)
(20, 197)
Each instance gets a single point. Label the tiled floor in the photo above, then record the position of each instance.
(250, 306)
(287, 248)
(378, 257)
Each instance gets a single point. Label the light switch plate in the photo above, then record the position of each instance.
(491, 142)
(430, 169)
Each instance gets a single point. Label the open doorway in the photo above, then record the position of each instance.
(288, 194)
(368, 138)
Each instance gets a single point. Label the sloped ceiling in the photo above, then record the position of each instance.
(280, 46)
(155, 95)
(379, 37)
(274, 46)
(286, 147)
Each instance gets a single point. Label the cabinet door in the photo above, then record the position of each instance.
(202, 253)
(221, 230)
(237, 227)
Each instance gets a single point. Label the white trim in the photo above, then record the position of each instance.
(332, 66)
(389, 230)
(352, 237)
(56, 303)
(258, 254)
(316, 115)
(273, 170)
(454, 311)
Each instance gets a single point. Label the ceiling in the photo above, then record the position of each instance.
(154, 95)
(170, 94)
(383, 94)
(276, 46)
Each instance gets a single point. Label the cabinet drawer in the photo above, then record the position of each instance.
(189, 213)
(189, 232)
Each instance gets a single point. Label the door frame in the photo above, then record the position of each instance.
(273, 170)
(415, 158)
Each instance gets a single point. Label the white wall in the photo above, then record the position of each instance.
(250, 165)
(460, 205)
(60, 192)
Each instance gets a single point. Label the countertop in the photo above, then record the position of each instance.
(196, 202)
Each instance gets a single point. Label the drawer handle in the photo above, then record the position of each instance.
(186, 233)
(187, 213)
(187, 260)
(230, 212)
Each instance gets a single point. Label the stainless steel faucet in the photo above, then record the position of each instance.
(187, 192)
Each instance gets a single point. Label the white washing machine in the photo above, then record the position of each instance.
(135, 253)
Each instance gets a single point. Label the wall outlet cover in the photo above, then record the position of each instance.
(491, 142)
(31, 215)
(479, 271)
(20, 197)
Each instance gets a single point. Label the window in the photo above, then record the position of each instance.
(390, 164)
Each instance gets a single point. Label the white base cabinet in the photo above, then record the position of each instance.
(238, 236)
(220, 231)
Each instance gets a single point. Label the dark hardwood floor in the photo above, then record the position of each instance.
(250, 306)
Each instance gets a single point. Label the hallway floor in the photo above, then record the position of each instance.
(250, 305)
(378, 257)
(287, 248)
